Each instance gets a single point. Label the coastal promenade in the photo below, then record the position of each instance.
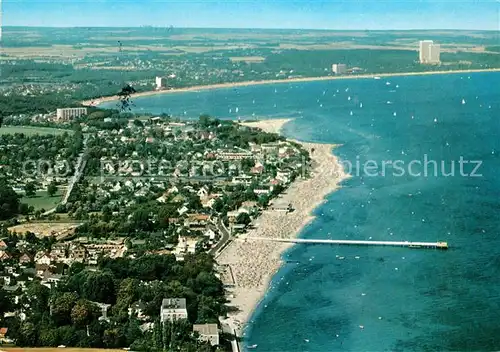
(253, 263)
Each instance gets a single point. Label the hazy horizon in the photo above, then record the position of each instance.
(269, 29)
(257, 14)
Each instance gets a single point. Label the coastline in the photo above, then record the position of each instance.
(95, 102)
(254, 263)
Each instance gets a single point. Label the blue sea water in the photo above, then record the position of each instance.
(389, 299)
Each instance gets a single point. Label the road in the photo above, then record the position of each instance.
(80, 166)
(225, 237)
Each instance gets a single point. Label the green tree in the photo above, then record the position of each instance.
(48, 337)
(100, 287)
(9, 202)
(82, 313)
(62, 306)
(52, 189)
(28, 334)
(243, 218)
(30, 189)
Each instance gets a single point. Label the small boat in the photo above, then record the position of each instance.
(237, 109)
(387, 83)
(348, 98)
(252, 346)
(306, 340)
(350, 113)
(376, 77)
(341, 258)
(389, 102)
(394, 114)
(463, 101)
(360, 105)
(357, 257)
(361, 327)
(435, 120)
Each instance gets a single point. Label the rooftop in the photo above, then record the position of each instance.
(206, 329)
(179, 303)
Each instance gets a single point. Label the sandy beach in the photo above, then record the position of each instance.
(254, 262)
(98, 101)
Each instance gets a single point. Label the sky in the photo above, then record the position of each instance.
(304, 14)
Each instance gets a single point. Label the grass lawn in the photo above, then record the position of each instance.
(29, 130)
(42, 200)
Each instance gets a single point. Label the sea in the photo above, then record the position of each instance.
(409, 130)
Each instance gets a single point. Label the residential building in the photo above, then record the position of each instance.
(173, 309)
(184, 246)
(280, 205)
(429, 53)
(339, 69)
(67, 114)
(208, 333)
(160, 82)
(234, 155)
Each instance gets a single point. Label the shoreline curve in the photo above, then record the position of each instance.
(98, 101)
(254, 263)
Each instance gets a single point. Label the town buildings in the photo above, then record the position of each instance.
(429, 53)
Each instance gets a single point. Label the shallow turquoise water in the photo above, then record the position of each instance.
(405, 299)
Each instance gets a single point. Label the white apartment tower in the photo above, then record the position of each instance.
(429, 53)
(160, 82)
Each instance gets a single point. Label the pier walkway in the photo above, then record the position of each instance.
(436, 245)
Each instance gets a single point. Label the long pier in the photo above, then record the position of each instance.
(436, 245)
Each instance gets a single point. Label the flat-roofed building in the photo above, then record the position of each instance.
(173, 309)
(208, 333)
(67, 114)
(339, 69)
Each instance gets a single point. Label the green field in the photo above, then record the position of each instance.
(43, 201)
(29, 131)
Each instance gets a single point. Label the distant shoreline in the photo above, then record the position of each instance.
(95, 102)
